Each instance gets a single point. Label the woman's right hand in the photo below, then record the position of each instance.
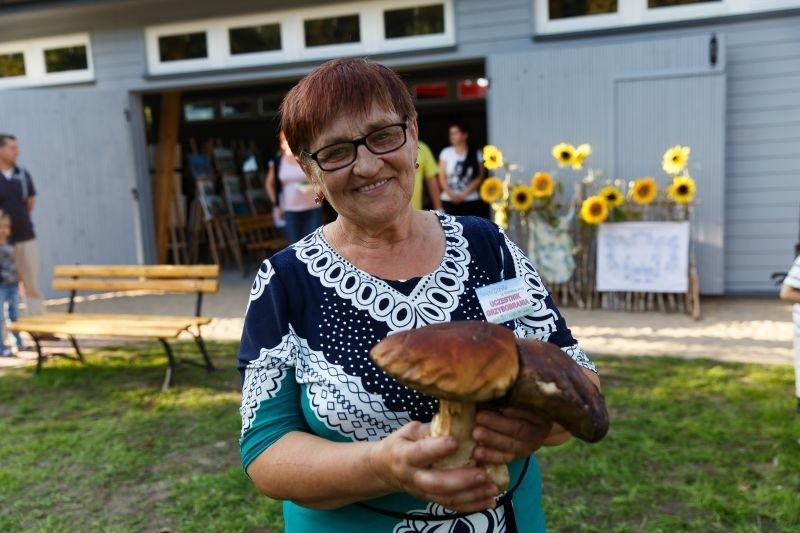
(404, 462)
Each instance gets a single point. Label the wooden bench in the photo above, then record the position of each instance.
(258, 233)
(199, 279)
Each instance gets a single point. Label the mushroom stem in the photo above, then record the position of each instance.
(457, 419)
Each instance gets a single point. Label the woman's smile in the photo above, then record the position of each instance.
(372, 186)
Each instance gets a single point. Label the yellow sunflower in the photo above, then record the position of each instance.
(643, 191)
(491, 189)
(492, 157)
(675, 159)
(542, 185)
(594, 210)
(564, 154)
(581, 153)
(521, 198)
(682, 189)
(612, 196)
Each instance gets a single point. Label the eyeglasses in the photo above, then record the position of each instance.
(339, 155)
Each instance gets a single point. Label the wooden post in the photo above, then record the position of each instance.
(164, 186)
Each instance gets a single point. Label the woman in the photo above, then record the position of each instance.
(296, 204)
(460, 175)
(322, 427)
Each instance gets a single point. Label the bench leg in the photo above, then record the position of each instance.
(170, 364)
(202, 346)
(77, 349)
(39, 354)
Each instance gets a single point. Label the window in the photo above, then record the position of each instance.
(182, 47)
(236, 108)
(65, 59)
(335, 29)
(414, 21)
(253, 39)
(435, 90)
(575, 16)
(198, 111)
(50, 61)
(665, 3)
(332, 30)
(560, 9)
(12, 65)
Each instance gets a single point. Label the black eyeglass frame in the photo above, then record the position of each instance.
(358, 142)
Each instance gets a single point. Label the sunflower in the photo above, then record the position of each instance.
(564, 154)
(581, 153)
(521, 198)
(492, 157)
(682, 189)
(643, 191)
(612, 196)
(594, 210)
(491, 189)
(542, 185)
(675, 159)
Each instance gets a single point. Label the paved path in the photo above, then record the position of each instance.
(731, 329)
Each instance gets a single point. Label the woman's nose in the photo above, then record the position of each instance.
(367, 163)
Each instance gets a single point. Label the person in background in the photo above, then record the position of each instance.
(323, 428)
(428, 173)
(296, 203)
(17, 195)
(9, 286)
(460, 175)
(790, 291)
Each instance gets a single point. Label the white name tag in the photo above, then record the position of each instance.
(504, 301)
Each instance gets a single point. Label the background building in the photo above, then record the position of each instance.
(82, 85)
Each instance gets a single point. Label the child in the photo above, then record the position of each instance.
(9, 285)
(790, 291)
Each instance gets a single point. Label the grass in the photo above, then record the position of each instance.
(694, 446)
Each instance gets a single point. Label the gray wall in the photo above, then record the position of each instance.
(629, 103)
(763, 151)
(76, 145)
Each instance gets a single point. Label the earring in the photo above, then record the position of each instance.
(416, 164)
(319, 198)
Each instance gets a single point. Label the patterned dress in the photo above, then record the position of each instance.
(304, 362)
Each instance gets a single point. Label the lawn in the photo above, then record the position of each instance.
(694, 446)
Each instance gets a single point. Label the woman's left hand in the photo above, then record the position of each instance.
(510, 433)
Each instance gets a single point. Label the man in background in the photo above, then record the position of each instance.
(16, 199)
(427, 172)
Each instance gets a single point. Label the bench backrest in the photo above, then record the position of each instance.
(168, 278)
(198, 279)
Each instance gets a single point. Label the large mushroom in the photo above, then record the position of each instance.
(464, 363)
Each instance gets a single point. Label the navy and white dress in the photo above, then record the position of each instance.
(311, 321)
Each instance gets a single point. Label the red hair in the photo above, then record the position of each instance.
(349, 86)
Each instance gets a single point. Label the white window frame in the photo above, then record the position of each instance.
(636, 13)
(35, 70)
(293, 48)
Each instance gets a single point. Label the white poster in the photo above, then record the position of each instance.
(643, 257)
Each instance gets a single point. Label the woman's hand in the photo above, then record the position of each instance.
(512, 433)
(403, 461)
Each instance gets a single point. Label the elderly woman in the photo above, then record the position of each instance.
(322, 427)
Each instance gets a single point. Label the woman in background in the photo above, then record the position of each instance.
(460, 175)
(296, 202)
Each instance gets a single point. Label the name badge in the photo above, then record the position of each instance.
(504, 301)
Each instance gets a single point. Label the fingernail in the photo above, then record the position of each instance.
(480, 478)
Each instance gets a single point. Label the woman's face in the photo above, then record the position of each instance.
(456, 135)
(374, 189)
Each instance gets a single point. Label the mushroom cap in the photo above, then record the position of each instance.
(463, 361)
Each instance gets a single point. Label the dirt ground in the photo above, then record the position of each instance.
(754, 330)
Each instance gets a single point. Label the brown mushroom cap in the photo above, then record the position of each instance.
(466, 361)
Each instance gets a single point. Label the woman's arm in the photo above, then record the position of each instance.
(321, 474)
(790, 294)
